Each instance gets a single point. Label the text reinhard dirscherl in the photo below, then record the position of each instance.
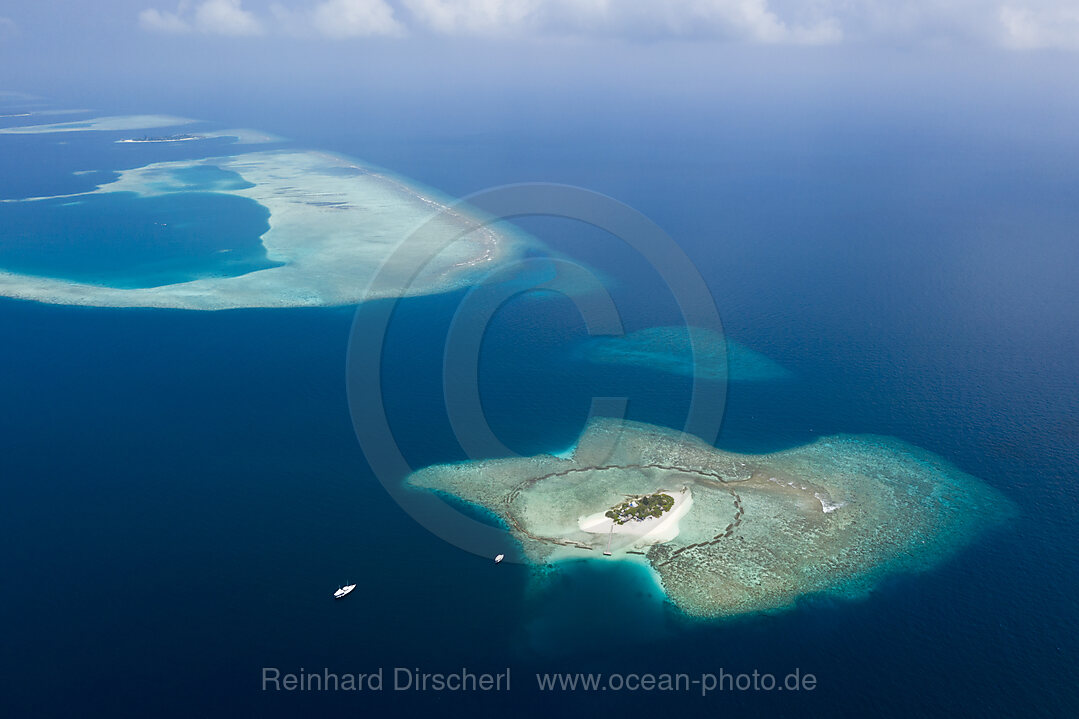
(404, 679)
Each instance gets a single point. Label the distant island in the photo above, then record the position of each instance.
(727, 533)
(164, 138)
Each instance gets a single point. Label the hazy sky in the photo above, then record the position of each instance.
(959, 59)
(32, 33)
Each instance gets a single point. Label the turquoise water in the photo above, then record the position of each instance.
(121, 239)
(195, 178)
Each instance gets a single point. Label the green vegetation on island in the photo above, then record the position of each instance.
(638, 509)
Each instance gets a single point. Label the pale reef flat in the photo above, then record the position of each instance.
(749, 533)
(334, 224)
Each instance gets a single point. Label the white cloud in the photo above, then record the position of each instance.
(214, 17)
(473, 16)
(355, 18)
(226, 17)
(751, 20)
(1016, 24)
(1032, 28)
(1013, 24)
(160, 21)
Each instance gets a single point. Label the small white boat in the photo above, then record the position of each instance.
(499, 558)
(344, 591)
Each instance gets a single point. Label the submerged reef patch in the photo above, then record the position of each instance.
(101, 124)
(692, 352)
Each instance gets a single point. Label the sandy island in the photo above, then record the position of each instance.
(644, 532)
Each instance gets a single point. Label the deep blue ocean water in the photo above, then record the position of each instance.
(183, 490)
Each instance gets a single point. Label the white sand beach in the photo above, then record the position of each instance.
(652, 530)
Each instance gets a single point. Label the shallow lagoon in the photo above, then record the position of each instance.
(124, 240)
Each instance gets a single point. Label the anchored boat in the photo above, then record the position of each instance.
(343, 591)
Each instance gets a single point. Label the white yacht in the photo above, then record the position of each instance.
(343, 591)
(499, 558)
